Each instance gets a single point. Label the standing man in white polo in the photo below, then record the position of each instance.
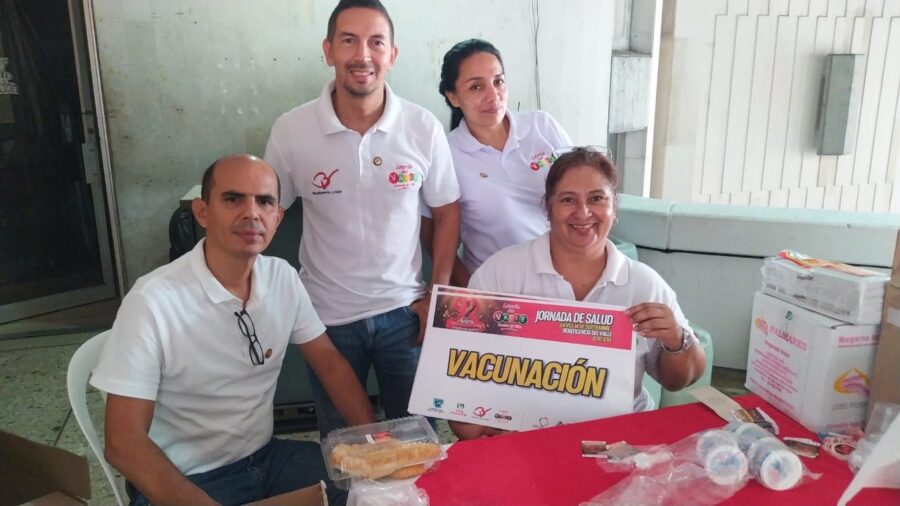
(363, 161)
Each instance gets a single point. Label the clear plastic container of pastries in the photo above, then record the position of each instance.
(398, 448)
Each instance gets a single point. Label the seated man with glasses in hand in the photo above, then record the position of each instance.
(194, 356)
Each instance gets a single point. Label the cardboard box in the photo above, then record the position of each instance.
(504, 361)
(313, 495)
(814, 368)
(36, 472)
(886, 377)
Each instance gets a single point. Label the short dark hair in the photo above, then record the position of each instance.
(207, 182)
(209, 175)
(577, 157)
(353, 4)
(453, 59)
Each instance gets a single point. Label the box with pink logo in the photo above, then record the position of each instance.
(814, 368)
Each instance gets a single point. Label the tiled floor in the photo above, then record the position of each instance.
(34, 402)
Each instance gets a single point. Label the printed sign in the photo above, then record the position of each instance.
(7, 84)
(523, 363)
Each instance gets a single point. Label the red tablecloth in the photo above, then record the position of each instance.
(545, 467)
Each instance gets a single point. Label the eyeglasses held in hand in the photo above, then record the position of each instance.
(246, 325)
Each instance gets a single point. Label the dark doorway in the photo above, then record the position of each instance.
(54, 241)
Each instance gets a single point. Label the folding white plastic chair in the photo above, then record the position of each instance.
(80, 367)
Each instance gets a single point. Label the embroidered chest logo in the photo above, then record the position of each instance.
(541, 160)
(403, 177)
(322, 181)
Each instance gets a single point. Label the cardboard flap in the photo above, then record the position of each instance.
(39, 469)
(892, 305)
(54, 499)
(313, 495)
(886, 377)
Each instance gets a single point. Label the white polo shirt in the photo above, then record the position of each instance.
(527, 269)
(360, 253)
(502, 190)
(176, 341)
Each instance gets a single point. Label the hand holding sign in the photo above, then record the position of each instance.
(657, 321)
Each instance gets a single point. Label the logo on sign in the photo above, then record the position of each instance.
(853, 381)
(480, 411)
(770, 329)
(436, 404)
(7, 84)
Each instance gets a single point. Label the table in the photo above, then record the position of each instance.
(545, 467)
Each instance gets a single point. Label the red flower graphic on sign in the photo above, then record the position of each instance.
(320, 180)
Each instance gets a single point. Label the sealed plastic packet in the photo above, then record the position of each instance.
(722, 458)
(706, 468)
(621, 457)
(702, 469)
(771, 463)
(371, 456)
(386, 493)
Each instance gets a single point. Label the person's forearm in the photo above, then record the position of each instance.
(145, 465)
(460, 276)
(349, 397)
(678, 370)
(446, 241)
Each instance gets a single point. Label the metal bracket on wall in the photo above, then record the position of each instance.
(839, 102)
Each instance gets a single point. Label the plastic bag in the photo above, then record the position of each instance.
(882, 415)
(631, 458)
(675, 482)
(704, 468)
(386, 493)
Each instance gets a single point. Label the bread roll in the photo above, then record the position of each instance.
(377, 460)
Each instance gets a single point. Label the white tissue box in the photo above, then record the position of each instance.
(838, 290)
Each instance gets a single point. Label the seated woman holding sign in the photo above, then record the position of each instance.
(576, 261)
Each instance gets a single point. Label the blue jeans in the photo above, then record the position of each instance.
(385, 341)
(278, 467)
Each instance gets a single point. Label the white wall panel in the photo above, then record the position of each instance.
(754, 103)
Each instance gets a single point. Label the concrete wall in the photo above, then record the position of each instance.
(711, 255)
(636, 32)
(187, 81)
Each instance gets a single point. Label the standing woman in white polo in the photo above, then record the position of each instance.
(501, 157)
